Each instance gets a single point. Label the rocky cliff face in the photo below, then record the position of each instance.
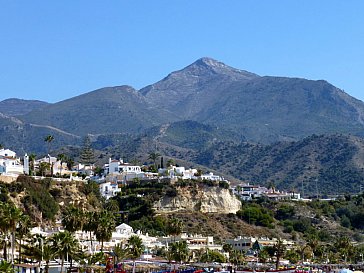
(199, 199)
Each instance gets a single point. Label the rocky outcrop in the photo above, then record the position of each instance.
(199, 199)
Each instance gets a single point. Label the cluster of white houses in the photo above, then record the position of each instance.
(248, 192)
(195, 242)
(117, 173)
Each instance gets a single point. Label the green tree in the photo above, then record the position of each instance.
(180, 251)
(154, 157)
(64, 244)
(11, 216)
(22, 229)
(73, 219)
(135, 248)
(120, 252)
(279, 252)
(32, 158)
(105, 227)
(61, 158)
(44, 167)
(6, 267)
(174, 227)
(87, 153)
(90, 224)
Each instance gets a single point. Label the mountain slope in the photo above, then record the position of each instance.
(106, 110)
(187, 91)
(315, 165)
(264, 109)
(17, 107)
(270, 109)
(29, 138)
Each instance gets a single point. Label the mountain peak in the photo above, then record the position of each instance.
(217, 67)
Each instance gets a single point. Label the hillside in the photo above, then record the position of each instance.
(29, 138)
(18, 107)
(319, 164)
(107, 110)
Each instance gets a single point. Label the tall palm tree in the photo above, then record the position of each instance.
(62, 158)
(32, 157)
(64, 244)
(48, 139)
(344, 245)
(90, 224)
(105, 226)
(34, 248)
(22, 229)
(12, 216)
(135, 248)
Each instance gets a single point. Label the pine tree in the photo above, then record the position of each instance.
(87, 153)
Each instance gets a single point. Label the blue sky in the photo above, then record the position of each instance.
(54, 50)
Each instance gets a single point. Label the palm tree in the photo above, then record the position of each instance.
(236, 257)
(279, 251)
(135, 248)
(48, 255)
(344, 245)
(62, 158)
(64, 245)
(112, 205)
(32, 157)
(120, 252)
(34, 248)
(11, 215)
(48, 139)
(105, 227)
(73, 219)
(154, 156)
(180, 251)
(22, 229)
(90, 224)
(174, 227)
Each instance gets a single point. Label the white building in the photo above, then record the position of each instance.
(118, 171)
(109, 189)
(10, 164)
(178, 172)
(194, 242)
(212, 177)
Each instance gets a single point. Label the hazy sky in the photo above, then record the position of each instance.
(54, 50)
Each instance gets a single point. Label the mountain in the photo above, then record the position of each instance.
(107, 110)
(263, 109)
(17, 107)
(29, 138)
(190, 90)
